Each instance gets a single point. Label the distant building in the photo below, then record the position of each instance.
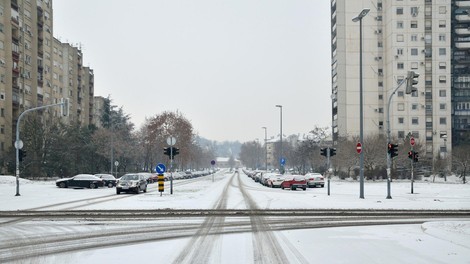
(223, 162)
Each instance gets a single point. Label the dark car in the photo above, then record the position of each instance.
(294, 181)
(108, 179)
(131, 182)
(80, 180)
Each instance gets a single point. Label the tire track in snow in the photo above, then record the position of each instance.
(207, 236)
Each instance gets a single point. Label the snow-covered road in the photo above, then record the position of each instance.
(240, 239)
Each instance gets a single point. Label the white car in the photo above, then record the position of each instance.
(275, 180)
(315, 180)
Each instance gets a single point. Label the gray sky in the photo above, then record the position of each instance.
(223, 64)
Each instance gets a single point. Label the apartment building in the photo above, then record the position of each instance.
(398, 36)
(460, 71)
(36, 69)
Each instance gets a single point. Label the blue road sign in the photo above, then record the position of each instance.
(160, 168)
(283, 161)
(212, 162)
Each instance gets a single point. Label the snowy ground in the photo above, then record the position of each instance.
(431, 242)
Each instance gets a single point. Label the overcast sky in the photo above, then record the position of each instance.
(223, 64)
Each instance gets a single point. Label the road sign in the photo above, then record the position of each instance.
(160, 168)
(212, 162)
(283, 161)
(171, 141)
(359, 147)
(116, 163)
(412, 141)
(19, 144)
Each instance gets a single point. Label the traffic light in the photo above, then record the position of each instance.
(411, 81)
(323, 151)
(167, 151)
(332, 152)
(64, 108)
(410, 154)
(176, 151)
(393, 149)
(21, 154)
(415, 157)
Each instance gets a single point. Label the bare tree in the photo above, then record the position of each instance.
(461, 161)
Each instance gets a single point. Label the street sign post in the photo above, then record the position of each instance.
(358, 147)
(412, 141)
(160, 168)
(171, 140)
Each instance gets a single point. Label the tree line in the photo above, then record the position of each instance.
(303, 155)
(54, 149)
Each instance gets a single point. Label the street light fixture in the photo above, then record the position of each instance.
(359, 18)
(280, 143)
(266, 146)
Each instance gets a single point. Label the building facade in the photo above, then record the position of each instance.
(398, 36)
(460, 71)
(36, 69)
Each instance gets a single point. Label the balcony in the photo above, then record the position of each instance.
(14, 4)
(462, 45)
(462, 3)
(463, 18)
(462, 31)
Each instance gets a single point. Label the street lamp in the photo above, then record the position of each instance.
(359, 18)
(266, 146)
(280, 143)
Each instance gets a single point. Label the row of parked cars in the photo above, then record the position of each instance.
(293, 182)
(130, 182)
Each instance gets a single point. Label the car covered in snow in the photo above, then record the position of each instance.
(275, 180)
(108, 179)
(315, 180)
(80, 181)
(293, 182)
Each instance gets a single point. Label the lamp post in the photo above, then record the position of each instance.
(280, 142)
(266, 146)
(359, 18)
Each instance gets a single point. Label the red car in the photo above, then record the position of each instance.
(294, 181)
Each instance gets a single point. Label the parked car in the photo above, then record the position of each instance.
(315, 180)
(294, 181)
(147, 176)
(80, 180)
(108, 179)
(131, 182)
(275, 180)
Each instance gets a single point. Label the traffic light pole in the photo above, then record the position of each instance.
(389, 158)
(171, 170)
(18, 144)
(412, 169)
(328, 168)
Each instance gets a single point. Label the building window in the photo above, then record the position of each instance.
(381, 97)
(400, 94)
(401, 107)
(379, 44)
(414, 107)
(442, 79)
(381, 110)
(442, 23)
(414, 65)
(414, 94)
(442, 51)
(400, 51)
(415, 120)
(414, 37)
(381, 84)
(442, 10)
(442, 65)
(414, 24)
(399, 10)
(401, 134)
(442, 37)
(442, 106)
(400, 38)
(401, 120)
(442, 93)
(414, 11)
(2, 112)
(442, 121)
(399, 24)
(415, 134)
(400, 66)
(414, 52)
(2, 129)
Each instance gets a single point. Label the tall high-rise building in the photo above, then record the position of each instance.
(460, 72)
(36, 69)
(398, 36)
